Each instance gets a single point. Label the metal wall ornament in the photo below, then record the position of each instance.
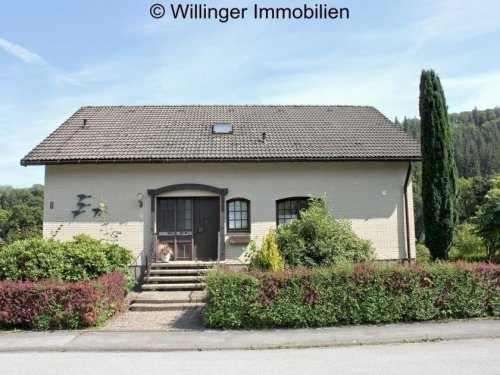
(81, 197)
(100, 209)
(81, 204)
(140, 199)
(77, 212)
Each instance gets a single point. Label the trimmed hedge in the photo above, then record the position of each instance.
(83, 258)
(53, 304)
(363, 294)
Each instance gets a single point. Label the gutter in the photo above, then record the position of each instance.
(25, 162)
(407, 213)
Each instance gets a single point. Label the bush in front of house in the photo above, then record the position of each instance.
(52, 304)
(317, 239)
(423, 254)
(83, 258)
(268, 257)
(366, 293)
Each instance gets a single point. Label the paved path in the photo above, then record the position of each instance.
(159, 320)
(156, 321)
(226, 340)
(479, 356)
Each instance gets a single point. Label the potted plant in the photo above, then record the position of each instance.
(165, 252)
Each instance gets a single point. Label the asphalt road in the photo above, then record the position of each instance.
(480, 356)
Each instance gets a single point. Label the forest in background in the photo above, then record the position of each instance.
(21, 213)
(476, 142)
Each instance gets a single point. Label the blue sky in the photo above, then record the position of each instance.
(56, 56)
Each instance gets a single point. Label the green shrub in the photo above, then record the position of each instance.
(467, 243)
(423, 254)
(23, 222)
(32, 259)
(83, 258)
(487, 220)
(354, 294)
(268, 257)
(316, 238)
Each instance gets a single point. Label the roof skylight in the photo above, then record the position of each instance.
(222, 128)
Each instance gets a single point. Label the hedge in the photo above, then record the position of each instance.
(366, 293)
(54, 304)
(83, 258)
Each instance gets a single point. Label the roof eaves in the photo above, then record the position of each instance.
(27, 162)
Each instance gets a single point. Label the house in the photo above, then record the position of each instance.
(208, 179)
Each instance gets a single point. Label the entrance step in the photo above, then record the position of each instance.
(177, 275)
(183, 286)
(183, 264)
(168, 301)
(175, 296)
(166, 306)
(167, 279)
(180, 271)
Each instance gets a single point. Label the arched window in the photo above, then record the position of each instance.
(289, 208)
(238, 215)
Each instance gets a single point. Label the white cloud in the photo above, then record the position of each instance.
(31, 57)
(454, 21)
(467, 92)
(20, 52)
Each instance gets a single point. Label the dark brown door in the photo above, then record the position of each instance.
(206, 227)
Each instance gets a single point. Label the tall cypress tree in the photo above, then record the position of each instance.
(439, 172)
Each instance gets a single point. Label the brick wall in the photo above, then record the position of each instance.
(370, 194)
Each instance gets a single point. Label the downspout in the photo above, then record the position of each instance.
(407, 214)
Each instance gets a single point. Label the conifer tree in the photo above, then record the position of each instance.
(439, 172)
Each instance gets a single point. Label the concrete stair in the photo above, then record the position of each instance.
(179, 286)
(165, 306)
(168, 279)
(177, 275)
(170, 301)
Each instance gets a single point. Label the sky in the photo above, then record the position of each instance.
(57, 56)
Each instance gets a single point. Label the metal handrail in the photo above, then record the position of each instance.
(151, 254)
(218, 247)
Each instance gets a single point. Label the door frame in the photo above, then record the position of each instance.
(221, 192)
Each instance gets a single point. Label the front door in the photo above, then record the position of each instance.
(189, 226)
(206, 227)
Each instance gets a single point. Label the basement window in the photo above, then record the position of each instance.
(222, 128)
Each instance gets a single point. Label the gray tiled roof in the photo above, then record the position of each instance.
(184, 133)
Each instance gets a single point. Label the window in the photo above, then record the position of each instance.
(289, 209)
(222, 128)
(175, 215)
(238, 215)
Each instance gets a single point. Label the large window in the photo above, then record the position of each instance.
(238, 215)
(175, 215)
(289, 209)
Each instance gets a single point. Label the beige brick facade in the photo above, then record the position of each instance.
(370, 194)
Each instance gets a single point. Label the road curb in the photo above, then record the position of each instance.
(174, 341)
